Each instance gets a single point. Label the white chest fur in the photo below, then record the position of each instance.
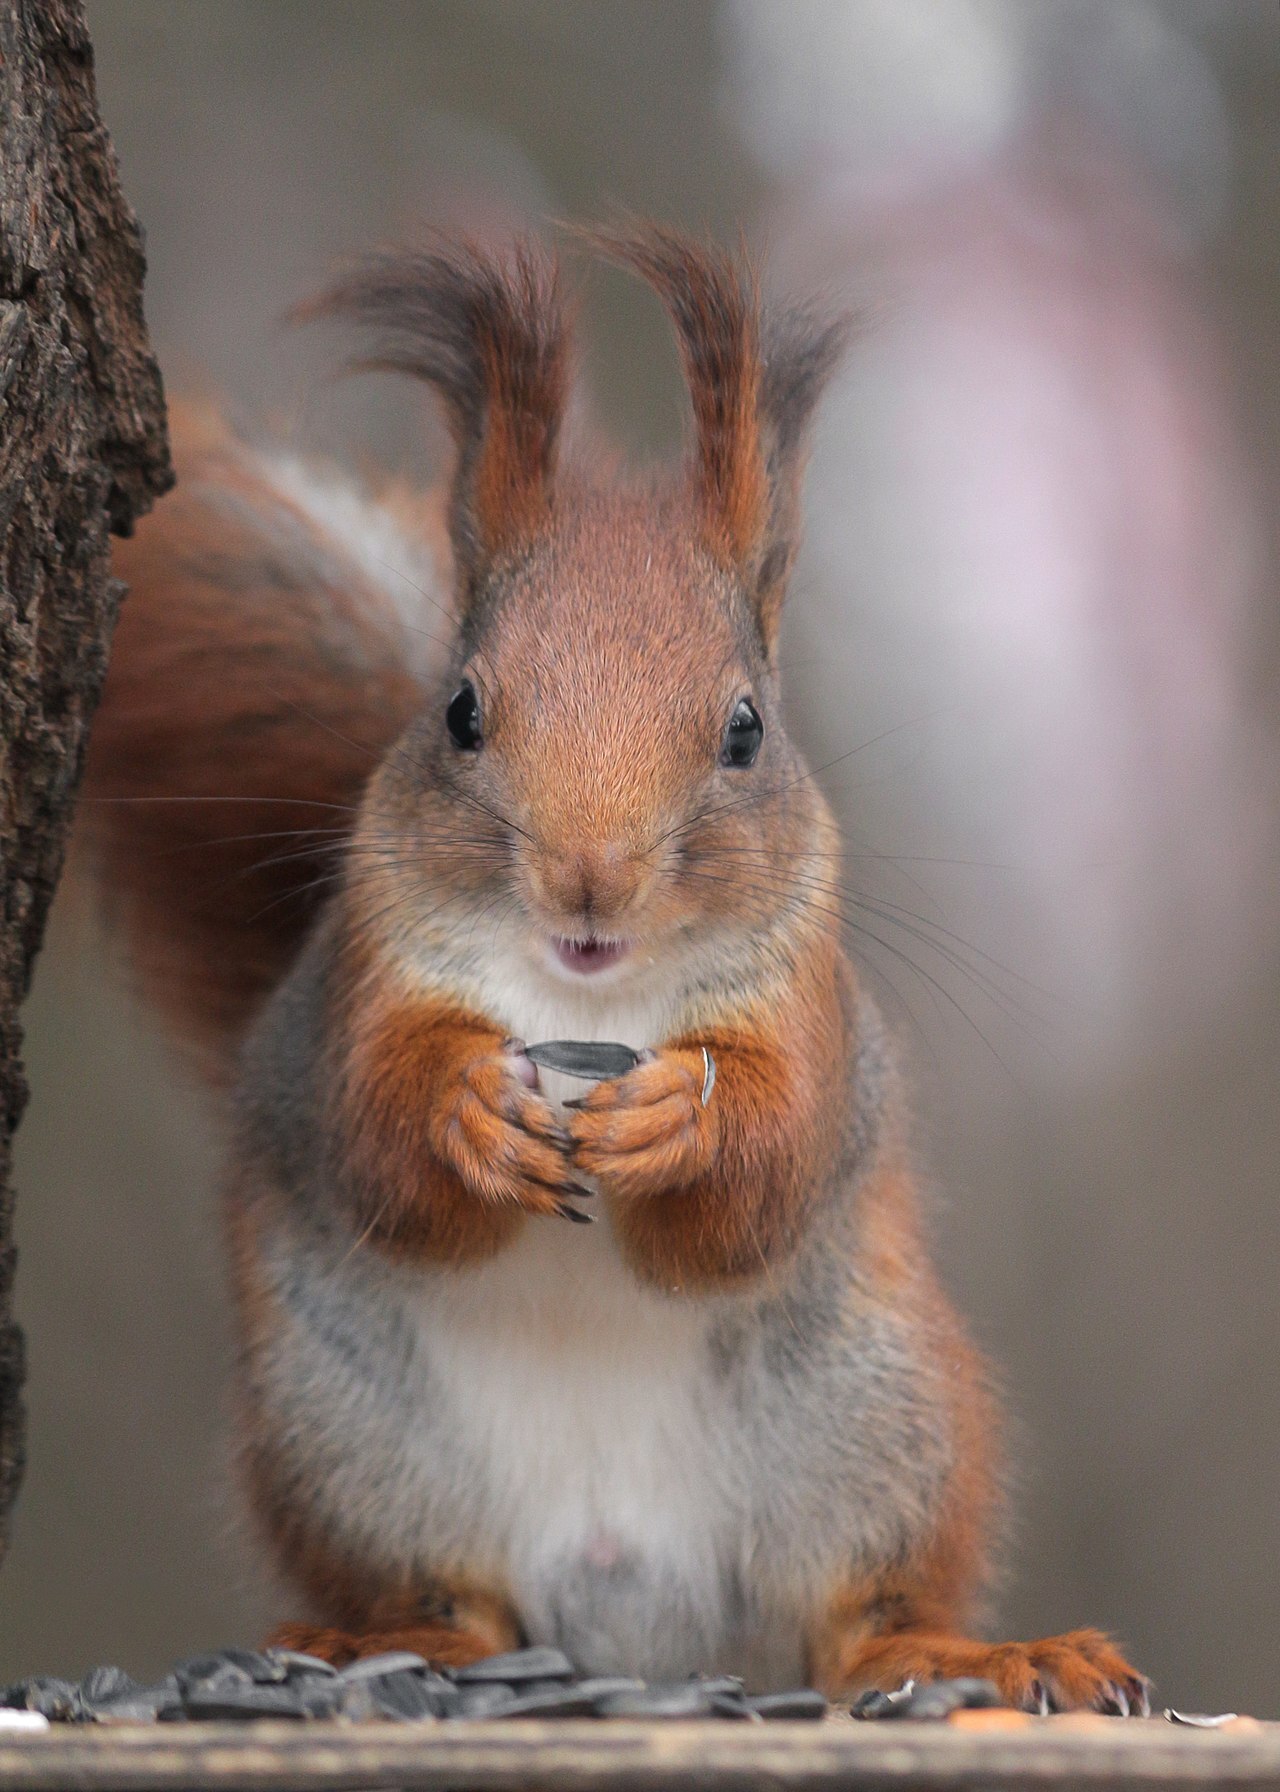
(574, 1412)
(583, 1405)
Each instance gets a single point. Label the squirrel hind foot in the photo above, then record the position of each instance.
(1079, 1671)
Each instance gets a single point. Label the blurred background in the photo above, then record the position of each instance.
(1038, 595)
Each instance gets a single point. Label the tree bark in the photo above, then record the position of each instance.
(83, 451)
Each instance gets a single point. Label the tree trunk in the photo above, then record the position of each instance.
(83, 451)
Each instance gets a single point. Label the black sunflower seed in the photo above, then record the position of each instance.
(732, 1705)
(805, 1702)
(247, 1702)
(485, 1699)
(724, 1685)
(875, 1703)
(105, 1683)
(520, 1665)
(686, 1699)
(223, 1667)
(395, 1661)
(603, 1686)
(51, 1696)
(300, 1666)
(145, 1705)
(937, 1699)
(354, 1700)
(583, 1058)
(559, 1701)
(978, 1695)
(403, 1695)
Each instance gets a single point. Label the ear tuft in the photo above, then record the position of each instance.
(754, 378)
(489, 332)
(802, 348)
(713, 305)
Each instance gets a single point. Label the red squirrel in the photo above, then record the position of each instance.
(398, 785)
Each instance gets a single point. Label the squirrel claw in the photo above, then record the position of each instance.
(574, 1213)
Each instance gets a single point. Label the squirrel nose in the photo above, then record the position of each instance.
(595, 882)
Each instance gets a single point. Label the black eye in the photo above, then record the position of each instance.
(743, 735)
(462, 718)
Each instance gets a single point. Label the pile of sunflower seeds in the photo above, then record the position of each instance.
(244, 1684)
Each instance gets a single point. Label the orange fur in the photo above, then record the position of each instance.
(1080, 1670)
(442, 1147)
(489, 332)
(516, 460)
(453, 1644)
(608, 636)
(911, 1620)
(752, 392)
(232, 716)
(715, 306)
(712, 1195)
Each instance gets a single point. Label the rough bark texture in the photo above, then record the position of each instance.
(82, 452)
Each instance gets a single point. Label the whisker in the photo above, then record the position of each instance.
(449, 617)
(751, 799)
(830, 903)
(784, 877)
(304, 802)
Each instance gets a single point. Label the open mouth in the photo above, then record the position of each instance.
(589, 956)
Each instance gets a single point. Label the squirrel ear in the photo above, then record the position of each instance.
(490, 334)
(754, 377)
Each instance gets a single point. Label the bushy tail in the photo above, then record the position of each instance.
(276, 638)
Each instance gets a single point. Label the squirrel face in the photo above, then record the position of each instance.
(614, 735)
(608, 770)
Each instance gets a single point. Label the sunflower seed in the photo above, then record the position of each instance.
(482, 1699)
(604, 1685)
(404, 1695)
(937, 1699)
(520, 1665)
(373, 1667)
(583, 1058)
(727, 1685)
(559, 1701)
(143, 1706)
(52, 1697)
(213, 1703)
(223, 1667)
(875, 1703)
(102, 1684)
(687, 1699)
(978, 1695)
(805, 1702)
(298, 1665)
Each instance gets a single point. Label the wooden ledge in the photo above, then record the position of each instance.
(616, 1756)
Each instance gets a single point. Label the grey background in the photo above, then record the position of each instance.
(1108, 1219)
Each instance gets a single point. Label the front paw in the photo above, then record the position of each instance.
(502, 1138)
(648, 1131)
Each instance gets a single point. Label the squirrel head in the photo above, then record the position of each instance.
(608, 751)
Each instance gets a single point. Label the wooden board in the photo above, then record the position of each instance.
(616, 1756)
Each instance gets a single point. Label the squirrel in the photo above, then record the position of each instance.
(387, 787)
